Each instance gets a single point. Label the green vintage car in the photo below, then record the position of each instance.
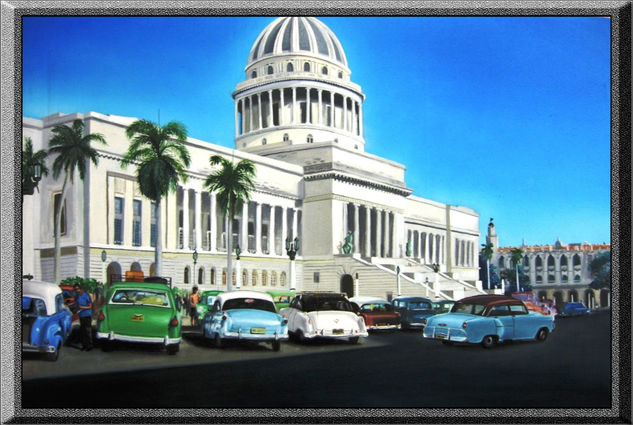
(142, 312)
(281, 298)
(206, 302)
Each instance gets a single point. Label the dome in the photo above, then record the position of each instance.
(298, 35)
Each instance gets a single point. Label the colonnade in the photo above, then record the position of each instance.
(259, 228)
(552, 268)
(298, 105)
(373, 229)
(465, 253)
(426, 246)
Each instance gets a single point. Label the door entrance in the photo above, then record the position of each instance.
(347, 285)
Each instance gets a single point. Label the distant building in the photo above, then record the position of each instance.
(299, 118)
(559, 272)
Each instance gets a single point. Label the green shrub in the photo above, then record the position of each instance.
(87, 285)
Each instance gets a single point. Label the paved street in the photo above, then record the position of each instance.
(397, 369)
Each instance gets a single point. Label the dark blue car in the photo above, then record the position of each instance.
(574, 309)
(413, 310)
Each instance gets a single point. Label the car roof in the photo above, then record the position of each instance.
(44, 290)
(140, 285)
(489, 299)
(274, 292)
(225, 296)
(412, 299)
(211, 292)
(322, 293)
(360, 300)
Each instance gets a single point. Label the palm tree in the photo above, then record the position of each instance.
(73, 153)
(233, 183)
(29, 160)
(516, 254)
(162, 159)
(487, 251)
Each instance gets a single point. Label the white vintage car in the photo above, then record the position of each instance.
(323, 315)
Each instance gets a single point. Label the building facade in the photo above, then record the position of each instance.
(299, 118)
(559, 272)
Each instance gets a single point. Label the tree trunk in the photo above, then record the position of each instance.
(229, 251)
(488, 271)
(58, 221)
(158, 252)
(517, 275)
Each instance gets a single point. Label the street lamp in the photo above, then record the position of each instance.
(195, 260)
(238, 251)
(104, 257)
(436, 285)
(291, 250)
(398, 279)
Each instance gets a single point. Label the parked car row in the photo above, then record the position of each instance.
(145, 311)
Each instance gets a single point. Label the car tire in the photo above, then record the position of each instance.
(542, 334)
(276, 345)
(353, 340)
(488, 341)
(173, 349)
(300, 337)
(52, 357)
(217, 341)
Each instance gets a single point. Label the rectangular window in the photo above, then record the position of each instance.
(154, 229)
(136, 223)
(316, 277)
(118, 220)
(56, 199)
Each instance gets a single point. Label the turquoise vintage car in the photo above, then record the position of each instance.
(141, 312)
(46, 321)
(488, 320)
(245, 316)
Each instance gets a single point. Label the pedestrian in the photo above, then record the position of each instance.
(194, 298)
(85, 317)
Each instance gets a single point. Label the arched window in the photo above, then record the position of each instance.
(286, 137)
(270, 70)
(324, 70)
(201, 276)
(282, 279)
(224, 277)
(212, 280)
(254, 74)
(233, 278)
(539, 279)
(273, 279)
(577, 278)
(502, 263)
(244, 278)
(186, 277)
(563, 278)
(526, 262)
(310, 139)
(576, 260)
(264, 278)
(306, 67)
(550, 263)
(264, 141)
(289, 67)
(254, 278)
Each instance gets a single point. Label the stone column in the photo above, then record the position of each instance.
(185, 218)
(367, 231)
(332, 114)
(282, 107)
(345, 226)
(259, 109)
(250, 108)
(214, 222)
(379, 232)
(270, 109)
(308, 107)
(271, 231)
(237, 131)
(243, 238)
(258, 228)
(197, 219)
(295, 219)
(362, 127)
(294, 105)
(386, 234)
(320, 114)
(284, 228)
(356, 231)
(345, 113)
(394, 237)
(557, 275)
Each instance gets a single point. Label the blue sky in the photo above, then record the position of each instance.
(509, 116)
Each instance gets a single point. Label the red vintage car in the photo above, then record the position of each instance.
(377, 313)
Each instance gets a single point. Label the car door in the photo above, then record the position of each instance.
(525, 325)
(502, 313)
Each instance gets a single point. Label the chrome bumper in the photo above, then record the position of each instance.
(451, 334)
(126, 338)
(255, 337)
(28, 348)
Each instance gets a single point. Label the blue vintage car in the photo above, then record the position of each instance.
(46, 321)
(488, 320)
(246, 316)
(413, 310)
(574, 309)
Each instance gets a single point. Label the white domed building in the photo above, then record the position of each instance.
(299, 118)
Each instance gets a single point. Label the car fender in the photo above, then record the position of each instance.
(477, 329)
(52, 333)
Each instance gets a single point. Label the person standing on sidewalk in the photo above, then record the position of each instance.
(85, 317)
(194, 298)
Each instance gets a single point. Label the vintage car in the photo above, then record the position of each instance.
(413, 310)
(323, 315)
(46, 321)
(206, 302)
(377, 313)
(442, 306)
(488, 320)
(246, 316)
(281, 298)
(141, 312)
(574, 309)
(533, 303)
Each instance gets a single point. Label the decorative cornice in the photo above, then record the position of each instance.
(333, 175)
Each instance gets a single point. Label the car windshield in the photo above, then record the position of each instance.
(377, 307)
(208, 300)
(327, 303)
(250, 303)
(140, 296)
(476, 309)
(419, 305)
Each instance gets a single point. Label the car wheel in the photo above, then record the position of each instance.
(542, 334)
(173, 349)
(488, 341)
(204, 331)
(300, 337)
(276, 345)
(353, 340)
(52, 357)
(217, 341)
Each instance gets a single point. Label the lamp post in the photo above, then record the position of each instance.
(238, 251)
(195, 260)
(398, 280)
(104, 257)
(291, 250)
(436, 285)
(356, 286)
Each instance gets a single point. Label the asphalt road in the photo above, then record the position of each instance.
(571, 369)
